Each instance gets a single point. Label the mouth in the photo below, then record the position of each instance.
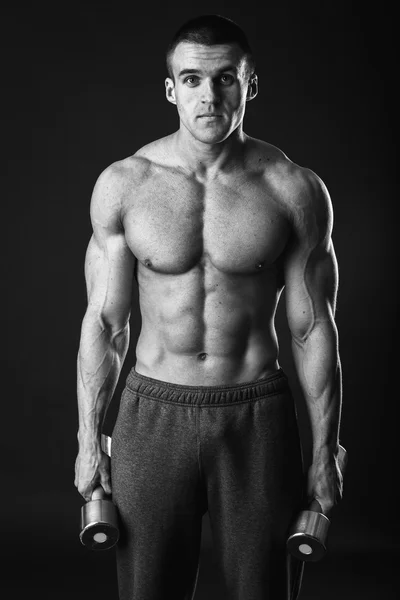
(210, 116)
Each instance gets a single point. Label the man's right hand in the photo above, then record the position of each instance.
(92, 468)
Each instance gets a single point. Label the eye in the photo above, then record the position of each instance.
(227, 79)
(191, 80)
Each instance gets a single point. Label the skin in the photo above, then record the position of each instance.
(216, 225)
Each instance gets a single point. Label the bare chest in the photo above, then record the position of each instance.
(173, 224)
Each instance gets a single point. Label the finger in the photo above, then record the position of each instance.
(106, 484)
(88, 493)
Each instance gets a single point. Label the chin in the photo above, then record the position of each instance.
(210, 136)
(212, 139)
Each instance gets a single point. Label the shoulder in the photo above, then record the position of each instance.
(122, 179)
(120, 175)
(300, 191)
(309, 204)
(115, 183)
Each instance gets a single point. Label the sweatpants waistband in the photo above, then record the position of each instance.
(205, 395)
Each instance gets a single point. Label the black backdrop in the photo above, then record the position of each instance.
(84, 87)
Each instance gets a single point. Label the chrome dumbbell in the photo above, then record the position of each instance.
(307, 536)
(99, 519)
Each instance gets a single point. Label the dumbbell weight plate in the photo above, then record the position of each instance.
(99, 525)
(307, 540)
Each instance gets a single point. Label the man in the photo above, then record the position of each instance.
(213, 224)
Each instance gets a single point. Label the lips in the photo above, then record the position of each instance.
(209, 115)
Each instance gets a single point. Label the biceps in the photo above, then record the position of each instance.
(311, 289)
(109, 273)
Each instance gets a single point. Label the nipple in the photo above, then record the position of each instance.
(148, 263)
(259, 266)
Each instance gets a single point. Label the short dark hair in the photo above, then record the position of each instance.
(210, 30)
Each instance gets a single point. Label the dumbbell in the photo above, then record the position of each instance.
(307, 536)
(99, 519)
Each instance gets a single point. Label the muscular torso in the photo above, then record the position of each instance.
(209, 267)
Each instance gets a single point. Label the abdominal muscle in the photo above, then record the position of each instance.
(206, 327)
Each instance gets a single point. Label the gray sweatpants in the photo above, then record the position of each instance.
(178, 451)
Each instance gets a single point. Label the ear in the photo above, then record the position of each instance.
(170, 90)
(252, 89)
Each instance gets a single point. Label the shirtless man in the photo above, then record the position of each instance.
(213, 224)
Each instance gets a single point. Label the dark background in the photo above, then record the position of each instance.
(84, 87)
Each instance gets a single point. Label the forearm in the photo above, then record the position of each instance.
(319, 371)
(101, 355)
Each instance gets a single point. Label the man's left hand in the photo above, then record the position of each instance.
(325, 484)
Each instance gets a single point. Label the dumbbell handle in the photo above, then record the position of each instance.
(99, 493)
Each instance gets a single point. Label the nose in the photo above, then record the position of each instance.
(210, 92)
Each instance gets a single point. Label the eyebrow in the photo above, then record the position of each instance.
(199, 72)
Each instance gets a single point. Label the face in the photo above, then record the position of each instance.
(210, 90)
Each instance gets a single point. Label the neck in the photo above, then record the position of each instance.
(208, 159)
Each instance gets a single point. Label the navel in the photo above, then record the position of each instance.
(202, 356)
